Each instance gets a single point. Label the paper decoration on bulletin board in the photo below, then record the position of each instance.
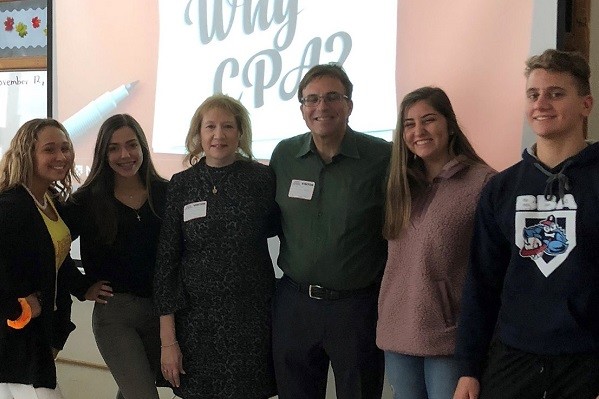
(23, 34)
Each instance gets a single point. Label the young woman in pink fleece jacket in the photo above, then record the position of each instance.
(434, 183)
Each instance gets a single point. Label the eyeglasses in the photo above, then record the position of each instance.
(313, 100)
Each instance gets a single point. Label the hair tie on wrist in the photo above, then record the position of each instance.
(24, 318)
(166, 346)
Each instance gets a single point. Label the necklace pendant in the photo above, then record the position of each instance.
(138, 217)
(214, 190)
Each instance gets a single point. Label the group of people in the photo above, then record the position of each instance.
(413, 259)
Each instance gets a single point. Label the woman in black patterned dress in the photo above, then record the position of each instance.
(214, 279)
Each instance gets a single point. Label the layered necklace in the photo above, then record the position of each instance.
(43, 206)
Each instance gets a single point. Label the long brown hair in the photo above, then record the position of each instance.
(100, 182)
(406, 174)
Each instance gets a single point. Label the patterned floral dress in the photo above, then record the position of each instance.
(215, 274)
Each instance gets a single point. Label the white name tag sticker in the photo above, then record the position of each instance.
(194, 210)
(301, 189)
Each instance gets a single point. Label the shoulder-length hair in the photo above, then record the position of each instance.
(17, 165)
(193, 142)
(406, 174)
(100, 183)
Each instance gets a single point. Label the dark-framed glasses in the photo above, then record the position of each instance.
(312, 100)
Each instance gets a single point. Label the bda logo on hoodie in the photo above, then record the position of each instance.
(545, 229)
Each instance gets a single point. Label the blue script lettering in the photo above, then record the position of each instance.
(282, 13)
(267, 68)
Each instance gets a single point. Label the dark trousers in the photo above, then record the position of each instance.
(514, 374)
(309, 333)
(127, 333)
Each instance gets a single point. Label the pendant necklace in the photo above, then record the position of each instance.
(137, 214)
(136, 210)
(43, 206)
(214, 189)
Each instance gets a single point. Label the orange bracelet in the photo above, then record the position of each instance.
(24, 318)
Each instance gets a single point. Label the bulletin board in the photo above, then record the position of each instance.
(23, 34)
(24, 86)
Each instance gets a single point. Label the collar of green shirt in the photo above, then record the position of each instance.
(348, 146)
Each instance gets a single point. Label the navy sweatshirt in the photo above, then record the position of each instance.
(533, 278)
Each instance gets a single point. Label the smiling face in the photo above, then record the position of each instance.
(219, 135)
(554, 108)
(425, 133)
(327, 120)
(124, 153)
(52, 157)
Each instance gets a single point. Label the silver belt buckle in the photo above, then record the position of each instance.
(310, 291)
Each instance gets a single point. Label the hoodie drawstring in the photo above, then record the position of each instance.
(563, 184)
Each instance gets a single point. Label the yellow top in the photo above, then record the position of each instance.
(61, 238)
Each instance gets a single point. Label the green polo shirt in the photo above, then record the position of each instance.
(332, 214)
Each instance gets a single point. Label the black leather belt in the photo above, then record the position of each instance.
(318, 292)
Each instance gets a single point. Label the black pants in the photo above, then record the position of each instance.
(309, 333)
(514, 374)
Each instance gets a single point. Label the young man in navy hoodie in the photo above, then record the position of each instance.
(533, 284)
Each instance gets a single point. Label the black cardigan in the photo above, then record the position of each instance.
(28, 265)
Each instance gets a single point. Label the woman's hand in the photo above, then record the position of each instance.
(171, 363)
(468, 388)
(34, 304)
(99, 291)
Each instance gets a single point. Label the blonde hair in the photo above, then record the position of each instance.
(406, 174)
(17, 165)
(193, 142)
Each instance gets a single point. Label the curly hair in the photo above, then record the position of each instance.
(17, 165)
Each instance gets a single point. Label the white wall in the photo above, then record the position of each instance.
(544, 36)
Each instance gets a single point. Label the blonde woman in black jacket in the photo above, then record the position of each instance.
(35, 306)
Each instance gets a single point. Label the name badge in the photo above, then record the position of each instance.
(194, 210)
(301, 189)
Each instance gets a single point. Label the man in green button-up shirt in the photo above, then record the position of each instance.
(330, 185)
